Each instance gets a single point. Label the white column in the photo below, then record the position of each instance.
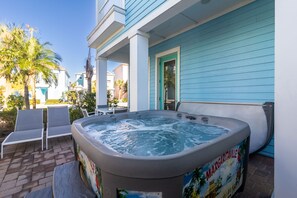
(285, 99)
(101, 81)
(138, 71)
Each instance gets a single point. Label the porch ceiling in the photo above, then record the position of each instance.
(199, 13)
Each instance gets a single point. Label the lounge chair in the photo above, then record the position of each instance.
(86, 113)
(58, 123)
(28, 128)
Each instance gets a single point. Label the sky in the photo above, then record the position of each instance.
(64, 23)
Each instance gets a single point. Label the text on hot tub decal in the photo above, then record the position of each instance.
(221, 177)
(233, 153)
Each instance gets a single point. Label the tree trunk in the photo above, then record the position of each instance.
(26, 94)
(89, 85)
(34, 92)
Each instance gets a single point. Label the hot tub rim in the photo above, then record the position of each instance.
(156, 166)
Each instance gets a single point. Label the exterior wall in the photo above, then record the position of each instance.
(135, 11)
(81, 80)
(53, 91)
(83, 83)
(285, 99)
(229, 59)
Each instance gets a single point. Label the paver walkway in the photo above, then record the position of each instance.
(26, 168)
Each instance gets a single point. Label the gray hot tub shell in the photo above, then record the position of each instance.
(163, 174)
(259, 116)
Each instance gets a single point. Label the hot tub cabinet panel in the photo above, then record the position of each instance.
(92, 172)
(213, 169)
(221, 177)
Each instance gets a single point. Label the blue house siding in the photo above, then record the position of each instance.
(135, 11)
(229, 59)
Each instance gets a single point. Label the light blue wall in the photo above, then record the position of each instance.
(135, 11)
(229, 59)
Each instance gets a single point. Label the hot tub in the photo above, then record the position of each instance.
(162, 154)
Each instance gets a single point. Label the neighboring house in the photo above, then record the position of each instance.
(82, 84)
(45, 91)
(6, 87)
(110, 83)
(212, 51)
(120, 73)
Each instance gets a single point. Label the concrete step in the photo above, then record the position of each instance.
(68, 183)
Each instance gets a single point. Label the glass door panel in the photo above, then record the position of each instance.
(168, 82)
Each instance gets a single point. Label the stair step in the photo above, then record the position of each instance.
(68, 183)
(44, 193)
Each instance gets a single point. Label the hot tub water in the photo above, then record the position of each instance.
(153, 136)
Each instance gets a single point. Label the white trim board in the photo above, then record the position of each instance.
(161, 54)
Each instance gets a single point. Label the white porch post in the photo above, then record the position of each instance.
(138, 71)
(101, 81)
(285, 98)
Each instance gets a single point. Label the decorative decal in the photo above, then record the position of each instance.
(121, 193)
(92, 173)
(219, 178)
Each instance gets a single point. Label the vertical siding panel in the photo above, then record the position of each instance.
(228, 59)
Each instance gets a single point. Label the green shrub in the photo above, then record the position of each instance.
(115, 101)
(75, 113)
(89, 101)
(125, 100)
(14, 102)
(7, 120)
(72, 97)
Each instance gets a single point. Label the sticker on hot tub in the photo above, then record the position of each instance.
(122, 193)
(92, 173)
(219, 178)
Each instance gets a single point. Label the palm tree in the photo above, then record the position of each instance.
(120, 84)
(42, 60)
(89, 72)
(22, 58)
(12, 50)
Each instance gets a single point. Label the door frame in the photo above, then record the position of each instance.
(157, 74)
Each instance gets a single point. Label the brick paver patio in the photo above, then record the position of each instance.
(26, 168)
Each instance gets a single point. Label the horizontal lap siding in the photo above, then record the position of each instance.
(135, 11)
(229, 59)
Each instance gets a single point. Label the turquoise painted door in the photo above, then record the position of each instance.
(168, 73)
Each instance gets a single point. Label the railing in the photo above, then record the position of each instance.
(103, 7)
